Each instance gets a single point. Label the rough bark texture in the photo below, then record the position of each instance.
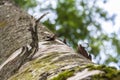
(30, 54)
(14, 25)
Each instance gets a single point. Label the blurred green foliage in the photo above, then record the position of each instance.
(80, 20)
(26, 3)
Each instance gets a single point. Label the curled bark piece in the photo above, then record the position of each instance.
(81, 50)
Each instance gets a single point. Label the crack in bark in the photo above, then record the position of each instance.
(44, 76)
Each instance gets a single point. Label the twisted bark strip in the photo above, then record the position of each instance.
(34, 33)
(13, 63)
(17, 59)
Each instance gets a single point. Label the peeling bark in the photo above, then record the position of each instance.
(14, 25)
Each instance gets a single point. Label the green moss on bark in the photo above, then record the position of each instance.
(64, 75)
(108, 72)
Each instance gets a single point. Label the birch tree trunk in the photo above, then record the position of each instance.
(29, 51)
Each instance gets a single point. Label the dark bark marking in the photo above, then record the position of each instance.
(34, 33)
(50, 38)
(81, 50)
(65, 41)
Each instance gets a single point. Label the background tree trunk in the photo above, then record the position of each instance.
(21, 59)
